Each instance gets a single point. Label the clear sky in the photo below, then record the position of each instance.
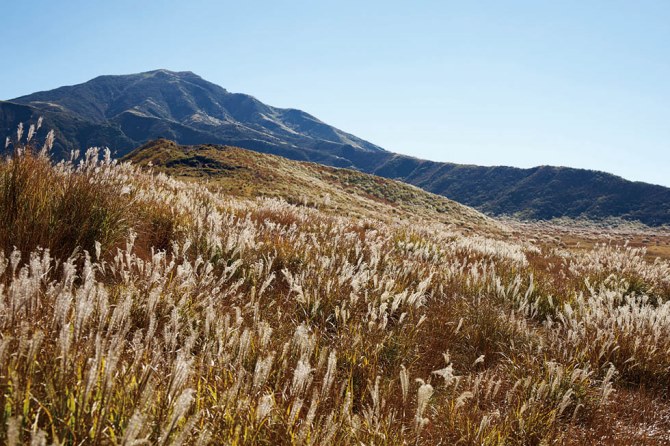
(580, 83)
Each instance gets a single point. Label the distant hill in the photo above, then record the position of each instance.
(245, 173)
(124, 112)
(539, 193)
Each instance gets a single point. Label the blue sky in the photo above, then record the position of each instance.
(574, 83)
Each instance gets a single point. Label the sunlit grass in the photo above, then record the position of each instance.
(187, 316)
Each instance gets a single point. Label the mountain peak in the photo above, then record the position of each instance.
(162, 72)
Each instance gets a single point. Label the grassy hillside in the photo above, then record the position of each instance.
(191, 315)
(245, 173)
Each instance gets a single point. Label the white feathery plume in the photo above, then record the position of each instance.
(264, 407)
(330, 373)
(462, 398)
(300, 376)
(31, 132)
(404, 382)
(48, 143)
(423, 396)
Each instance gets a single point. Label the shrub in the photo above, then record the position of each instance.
(62, 208)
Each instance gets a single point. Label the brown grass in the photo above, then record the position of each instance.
(57, 209)
(215, 319)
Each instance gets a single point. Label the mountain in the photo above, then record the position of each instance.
(124, 112)
(248, 174)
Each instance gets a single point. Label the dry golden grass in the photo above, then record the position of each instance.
(247, 174)
(56, 209)
(226, 319)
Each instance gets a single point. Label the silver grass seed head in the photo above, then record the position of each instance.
(31, 132)
(48, 143)
(264, 407)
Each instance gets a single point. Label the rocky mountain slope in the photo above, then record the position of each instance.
(124, 111)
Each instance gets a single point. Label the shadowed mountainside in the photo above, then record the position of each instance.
(540, 193)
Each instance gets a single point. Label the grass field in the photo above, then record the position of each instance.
(145, 309)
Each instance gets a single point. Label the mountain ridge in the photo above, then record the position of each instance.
(126, 111)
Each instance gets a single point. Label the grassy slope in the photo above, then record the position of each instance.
(245, 173)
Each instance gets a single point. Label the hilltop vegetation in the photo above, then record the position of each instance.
(124, 112)
(245, 173)
(218, 317)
